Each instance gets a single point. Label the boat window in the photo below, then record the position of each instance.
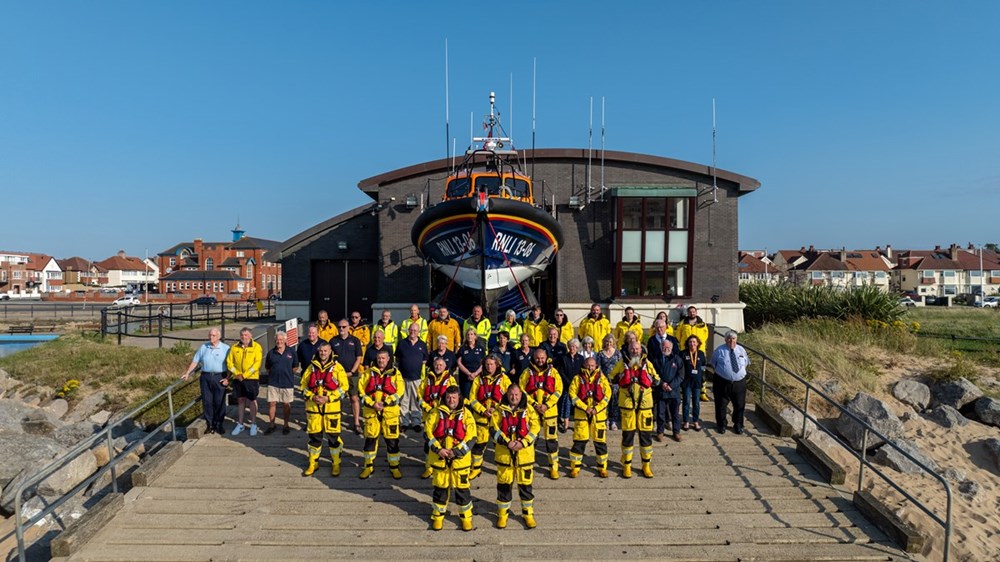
(518, 187)
(490, 183)
(458, 187)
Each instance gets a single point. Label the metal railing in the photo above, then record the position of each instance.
(157, 321)
(84, 447)
(867, 430)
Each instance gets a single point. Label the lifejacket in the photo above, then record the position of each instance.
(323, 378)
(638, 376)
(541, 380)
(514, 423)
(490, 391)
(451, 426)
(435, 391)
(591, 388)
(380, 381)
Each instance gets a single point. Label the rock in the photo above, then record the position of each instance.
(11, 413)
(57, 407)
(969, 489)
(124, 469)
(954, 474)
(993, 447)
(63, 480)
(32, 400)
(892, 458)
(65, 514)
(72, 434)
(100, 418)
(794, 417)
(987, 410)
(875, 413)
(955, 393)
(101, 455)
(40, 422)
(830, 387)
(947, 416)
(126, 441)
(19, 451)
(912, 393)
(87, 406)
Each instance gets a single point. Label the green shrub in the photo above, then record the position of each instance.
(784, 303)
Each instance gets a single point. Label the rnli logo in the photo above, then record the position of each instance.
(457, 244)
(513, 246)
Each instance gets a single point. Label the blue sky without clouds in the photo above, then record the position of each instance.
(137, 125)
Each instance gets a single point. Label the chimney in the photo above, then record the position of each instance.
(121, 253)
(802, 249)
(198, 249)
(888, 251)
(953, 251)
(971, 246)
(842, 254)
(937, 248)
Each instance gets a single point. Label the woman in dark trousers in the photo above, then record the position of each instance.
(694, 376)
(607, 358)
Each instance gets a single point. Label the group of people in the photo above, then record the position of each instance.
(462, 394)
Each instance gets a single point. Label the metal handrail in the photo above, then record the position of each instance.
(85, 445)
(810, 389)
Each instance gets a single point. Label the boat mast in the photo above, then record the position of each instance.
(447, 127)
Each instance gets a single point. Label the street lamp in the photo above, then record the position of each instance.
(145, 276)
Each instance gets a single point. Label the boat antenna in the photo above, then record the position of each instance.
(715, 187)
(602, 148)
(510, 115)
(534, 67)
(447, 128)
(470, 129)
(590, 149)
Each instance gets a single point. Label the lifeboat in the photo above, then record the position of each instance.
(487, 235)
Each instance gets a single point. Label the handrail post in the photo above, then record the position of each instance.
(159, 330)
(861, 466)
(111, 459)
(805, 412)
(104, 323)
(118, 328)
(223, 331)
(173, 421)
(763, 379)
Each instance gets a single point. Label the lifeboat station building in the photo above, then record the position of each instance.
(657, 234)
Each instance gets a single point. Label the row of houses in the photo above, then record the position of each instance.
(941, 272)
(221, 269)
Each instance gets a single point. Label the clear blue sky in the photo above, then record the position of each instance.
(137, 125)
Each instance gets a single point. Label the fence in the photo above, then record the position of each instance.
(861, 455)
(157, 321)
(39, 310)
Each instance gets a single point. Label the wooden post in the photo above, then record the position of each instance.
(159, 330)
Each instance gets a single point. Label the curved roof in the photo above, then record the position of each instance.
(744, 183)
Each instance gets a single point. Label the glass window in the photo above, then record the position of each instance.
(489, 183)
(654, 246)
(879, 275)
(458, 187)
(678, 246)
(656, 214)
(631, 246)
(652, 250)
(837, 274)
(679, 213)
(995, 273)
(209, 264)
(631, 213)
(676, 277)
(928, 274)
(974, 273)
(654, 281)
(949, 273)
(631, 280)
(950, 290)
(817, 274)
(518, 187)
(173, 262)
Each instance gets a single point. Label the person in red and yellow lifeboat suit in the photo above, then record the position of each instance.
(515, 427)
(323, 384)
(590, 392)
(484, 396)
(380, 389)
(543, 386)
(636, 378)
(451, 431)
(431, 391)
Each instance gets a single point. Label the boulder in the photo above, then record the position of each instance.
(875, 413)
(987, 410)
(912, 393)
(63, 480)
(11, 413)
(993, 447)
(40, 422)
(100, 418)
(124, 469)
(954, 474)
(794, 418)
(19, 451)
(969, 488)
(956, 393)
(889, 456)
(72, 434)
(86, 407)
(57, 407)
(947, 416)
(101, 455)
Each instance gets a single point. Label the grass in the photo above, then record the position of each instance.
(128, 375)
(938, 324)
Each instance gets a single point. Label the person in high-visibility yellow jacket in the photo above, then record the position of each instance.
(629, 323)
(444, 325)
(415, 318)
(324, 383)
(636, 378)
(595, 325)
(484, 397)
(543, 386)
(512, 327)
(359, 330)
(482, 325)
(380, 389)
(243, 364)
(693, 325)
(515, 428)
(536, 326)
(451, 431)
(325, 329)
(432, 389)
(560, 321)
(389, 329)
(590, 392)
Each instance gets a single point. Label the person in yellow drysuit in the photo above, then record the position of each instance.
(380, 389)
(515, 427)
(543, 386)
(484, 396)
(432, 389)
(590, 392)
(323, 384)
(636, 378)
(451, 431)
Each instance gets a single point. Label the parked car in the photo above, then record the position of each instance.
(907, 301)
(988, 302)
(4, 297)
(125, 301)
(204, 301)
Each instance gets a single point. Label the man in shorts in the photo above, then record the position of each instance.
(282, 364)
(243, 364)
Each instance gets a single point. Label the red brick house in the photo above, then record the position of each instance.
(235, 269)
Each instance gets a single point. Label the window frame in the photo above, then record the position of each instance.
(666, 266)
